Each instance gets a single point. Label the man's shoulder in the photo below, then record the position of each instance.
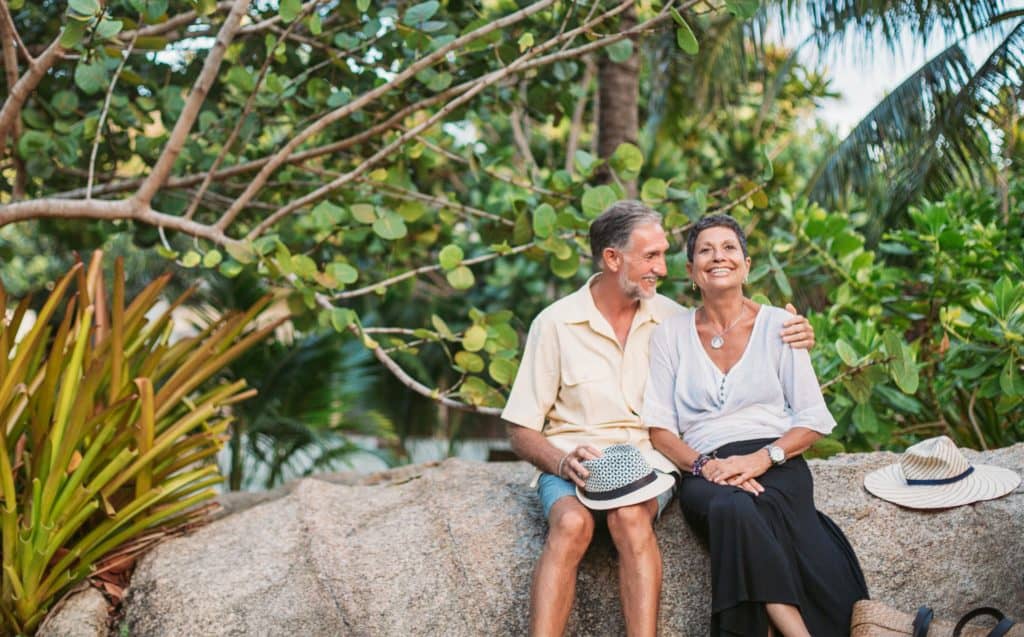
(666, 306)
(560, 310)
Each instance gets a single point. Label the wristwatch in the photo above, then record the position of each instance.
(777, 455)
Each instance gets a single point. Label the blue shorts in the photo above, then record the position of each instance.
(551, 488)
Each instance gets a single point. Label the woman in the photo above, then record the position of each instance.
(734, 407)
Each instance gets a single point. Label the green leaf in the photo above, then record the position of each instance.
(84, 7)
(1007, 297)
(325, 215)
(654, 190)
(107, 28)
(206, 7)
(343, 273)
(316, 26)
(230, 268)
(525, 41)
(865, 419)
(420, 13)
(64, 102)
(191, 259)
(72, 34)
(391, 226)
(450, 256)
(596, 200)
(34, 143)
(565, 268)
(363, 212)
(442, 328)
(362, 5)
(303, 267)
(627, 160)
(901, 367)
(742, 9)
(212, 259)
(241, 252)
(474, 338)
(544, 219)
(1010, 378)
(686, 41)
(620, 51)
(847, 353)
(461, 278)
(91, 78)
(585, 163)
(341, 318)
(469, 361)
(289, 9)
(502, 370)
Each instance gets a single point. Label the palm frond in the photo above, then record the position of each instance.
(929, 134)
(890, 20)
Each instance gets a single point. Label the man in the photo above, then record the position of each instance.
(579, 389)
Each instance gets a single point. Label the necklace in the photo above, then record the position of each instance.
(718, 340)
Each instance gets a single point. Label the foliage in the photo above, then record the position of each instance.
(921, 337)
(108, 431)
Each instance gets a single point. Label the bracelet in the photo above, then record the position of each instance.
(698, 464)
(561, 462)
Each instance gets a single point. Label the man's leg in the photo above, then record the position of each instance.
(570, 529)
(632, 530)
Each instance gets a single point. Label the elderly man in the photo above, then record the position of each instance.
(579, 390)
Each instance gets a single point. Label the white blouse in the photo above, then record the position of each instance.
(770, 390)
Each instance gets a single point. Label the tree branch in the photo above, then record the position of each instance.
(282, 155)
(576, 123)
(411, 195)
(10, 113)
(195, 101)
(180, 20)
(8, 36)
(103, 117)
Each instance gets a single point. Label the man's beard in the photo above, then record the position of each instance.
(633, 290)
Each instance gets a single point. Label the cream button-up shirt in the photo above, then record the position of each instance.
(577, 385)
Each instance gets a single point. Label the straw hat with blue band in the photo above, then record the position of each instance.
(934, 474)
(621, 477)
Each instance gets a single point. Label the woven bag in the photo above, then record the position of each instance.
(874, 619)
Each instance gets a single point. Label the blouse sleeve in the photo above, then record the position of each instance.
(659, 408)
(803, 393)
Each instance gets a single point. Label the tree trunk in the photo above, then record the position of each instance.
(618, 90)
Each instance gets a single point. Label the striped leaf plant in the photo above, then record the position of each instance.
(108, 428)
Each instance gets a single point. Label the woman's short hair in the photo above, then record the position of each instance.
(714, 221)
(614, 226)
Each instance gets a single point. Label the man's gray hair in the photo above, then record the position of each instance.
(613, 228)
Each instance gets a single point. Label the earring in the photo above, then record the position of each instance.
(693, 284)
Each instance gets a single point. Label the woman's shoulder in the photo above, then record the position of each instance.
(773, 318)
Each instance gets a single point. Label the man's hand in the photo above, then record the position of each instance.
(797, 331)
(572, 467)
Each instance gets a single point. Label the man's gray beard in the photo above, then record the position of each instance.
(632, 290)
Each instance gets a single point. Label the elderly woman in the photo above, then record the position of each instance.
(732, 405)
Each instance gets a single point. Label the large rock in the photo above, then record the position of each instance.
(449, 549)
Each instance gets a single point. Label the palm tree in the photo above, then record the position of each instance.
(938, 129)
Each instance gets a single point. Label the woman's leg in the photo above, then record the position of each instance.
(787, 620)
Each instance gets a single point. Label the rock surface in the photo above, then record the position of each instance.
(449, 549)
(84, 612)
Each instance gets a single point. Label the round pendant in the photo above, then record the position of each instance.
(717, 342)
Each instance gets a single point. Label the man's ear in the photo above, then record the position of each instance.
(612, 259)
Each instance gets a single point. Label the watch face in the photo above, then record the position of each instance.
(776, 454)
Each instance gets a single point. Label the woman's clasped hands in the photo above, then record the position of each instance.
(738, 471)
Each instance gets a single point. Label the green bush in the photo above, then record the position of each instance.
(109, 432)
(922, 335)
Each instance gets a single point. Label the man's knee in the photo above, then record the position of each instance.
(731, 507)
(571, 526)
(632, 522)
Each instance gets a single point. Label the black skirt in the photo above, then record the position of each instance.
(774, 547)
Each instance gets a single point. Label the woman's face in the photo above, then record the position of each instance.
(718, 261)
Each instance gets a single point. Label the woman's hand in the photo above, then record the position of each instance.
(797, 331)
(571, 467)
(739, 471)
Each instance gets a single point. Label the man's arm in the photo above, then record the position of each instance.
(533, 447)
(797, 331)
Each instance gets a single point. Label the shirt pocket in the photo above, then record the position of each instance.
(589, 392)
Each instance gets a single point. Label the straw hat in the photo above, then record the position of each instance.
(934, 474)
(620, 477)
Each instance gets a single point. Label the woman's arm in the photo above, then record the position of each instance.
(683, 456)
(737, 470)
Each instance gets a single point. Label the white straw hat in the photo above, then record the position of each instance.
(934, 474)
(620, 477)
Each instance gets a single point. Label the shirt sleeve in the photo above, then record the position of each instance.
(803, 393)
(536, 386)
(659, 408)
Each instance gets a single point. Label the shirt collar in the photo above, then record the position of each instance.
(583, 309)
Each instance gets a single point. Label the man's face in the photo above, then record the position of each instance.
(642, 261)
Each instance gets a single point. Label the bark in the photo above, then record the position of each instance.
(618, 93)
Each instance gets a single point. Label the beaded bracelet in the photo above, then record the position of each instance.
(698, 464)
(560, 463)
